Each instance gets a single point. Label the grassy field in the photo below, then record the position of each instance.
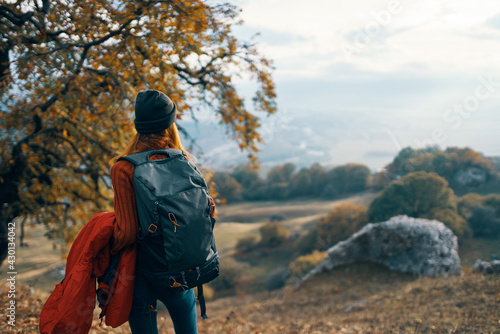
(360, 298)
(234, 220)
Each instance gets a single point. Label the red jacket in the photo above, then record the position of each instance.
(70, 306)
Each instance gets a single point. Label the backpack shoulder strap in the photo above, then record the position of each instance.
(142, 157)
(201, 299)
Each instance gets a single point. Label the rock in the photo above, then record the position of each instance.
(495, 257)
(360, 305)
(496, 266)
(486, 267)
(482, 267)
(471, 177)
(410, 245)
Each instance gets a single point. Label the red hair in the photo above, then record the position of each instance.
(168, 138)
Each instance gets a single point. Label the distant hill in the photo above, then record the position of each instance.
(298, 138)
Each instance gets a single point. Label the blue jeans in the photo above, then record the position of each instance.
(181, 306)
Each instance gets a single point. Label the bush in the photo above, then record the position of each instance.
(306, 242)
(493, 200)
(246, 243)
(381, 179)
(455, 222)
(415, 195)
(273, 234)
(484, 222)
(303, 264)
(277, 217)
(467, 202)
(277, 279)
(340, 224)
(230, 273)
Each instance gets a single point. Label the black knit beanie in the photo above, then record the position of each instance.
(154, 112)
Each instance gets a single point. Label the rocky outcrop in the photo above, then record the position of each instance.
(410, 245)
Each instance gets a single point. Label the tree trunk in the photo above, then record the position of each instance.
(21, 236)
(5, 219)
(3, 237)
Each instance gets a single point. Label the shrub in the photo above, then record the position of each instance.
(246, 243)
(277, 279)
(340, 223)
(276, 217)
(455, 222)
(483, 222)
(303, 264)
(306, 242)
(230, 272)
(273, 234)
(381, 179)
(493, 200)
(415, 195)
(467, 202)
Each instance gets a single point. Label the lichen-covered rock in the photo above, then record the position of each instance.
(411, 245)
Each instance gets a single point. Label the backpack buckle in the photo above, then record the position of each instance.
(152, 228)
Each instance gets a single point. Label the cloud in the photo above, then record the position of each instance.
(305, 39)
(493, 22)
(392, 94)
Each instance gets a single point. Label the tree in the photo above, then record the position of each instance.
(280, 173)
(415, 195)
(301, 183)
(456, 165)
(278, 181)
(70, 72)
(484, 222)
(227, 187)
(467, 202)
(350, 177)
(246, 175)
(419, 195)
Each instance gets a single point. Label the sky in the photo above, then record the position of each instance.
(359, 80)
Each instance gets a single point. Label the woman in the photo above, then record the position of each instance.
(155, 124)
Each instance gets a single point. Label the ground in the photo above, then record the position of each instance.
(360, 298)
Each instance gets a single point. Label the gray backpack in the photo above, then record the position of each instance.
(175, 240)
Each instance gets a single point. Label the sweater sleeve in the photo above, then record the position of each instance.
(125, 230)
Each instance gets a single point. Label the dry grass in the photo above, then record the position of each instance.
(365, 298)
(260, 211)
(361, 298)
